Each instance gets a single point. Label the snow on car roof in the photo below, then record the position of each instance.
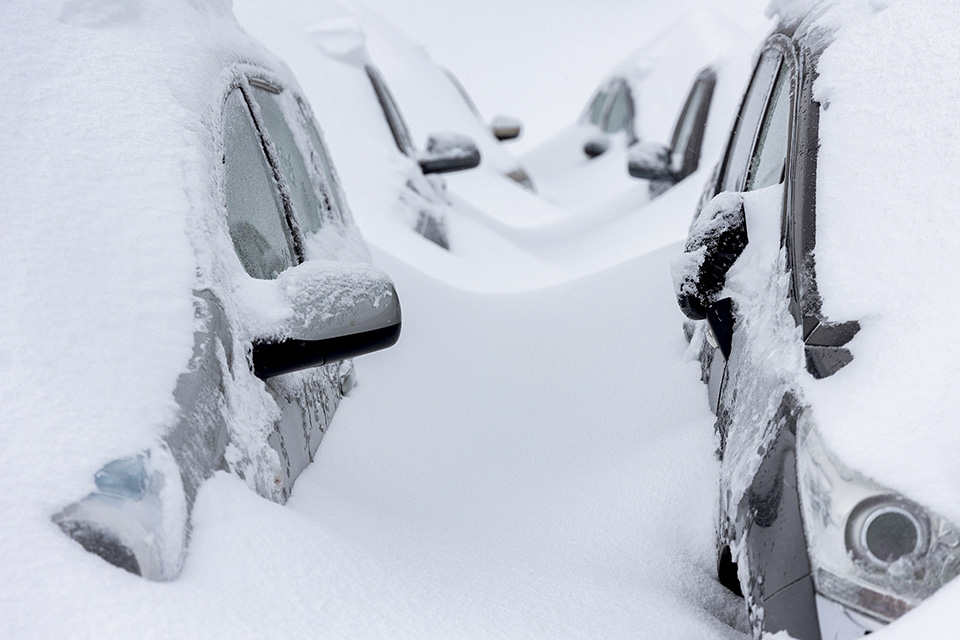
(679, 51)
(107, 164)
(887, 196)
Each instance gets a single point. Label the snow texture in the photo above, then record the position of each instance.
(491, 475)
(886, 199)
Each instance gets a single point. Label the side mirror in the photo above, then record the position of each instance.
(714, 243)
(650, 161)
(505, 128)
(321, 312)
(596, 147)
(448, 152)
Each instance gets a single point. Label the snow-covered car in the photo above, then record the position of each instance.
(816, 273)
(502, 128)
(433, 98)
(585, 164)
(664, 165)
(444, 153)
(187, 284)
(327, 43)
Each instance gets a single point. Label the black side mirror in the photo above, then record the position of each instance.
(449, 152)
(650, 161)
(596, 147)
(714, 243)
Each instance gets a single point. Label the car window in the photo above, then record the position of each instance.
(303, 196)
(620, 112)
(255, 215)
(692, 120)
(595, 110)
(740, 148)
(398, 127)
(770, 152)
(337, 204)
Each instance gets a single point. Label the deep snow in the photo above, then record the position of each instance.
(532, 464)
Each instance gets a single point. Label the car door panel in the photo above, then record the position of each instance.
(305, 399)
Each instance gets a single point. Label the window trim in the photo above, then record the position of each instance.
(391, 112)
(691, 161)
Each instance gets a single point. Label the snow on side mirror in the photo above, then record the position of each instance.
(320, 312)
(650, 161)
(714, 243)
(505, 128)
(449, 152)
(596, 147)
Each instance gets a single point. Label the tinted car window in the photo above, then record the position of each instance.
(254, 210)
(770, 154)
(595, 111)
(741, 144)
(304, 199)
(619, 115)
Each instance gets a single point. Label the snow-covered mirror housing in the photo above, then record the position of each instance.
(650, 161)
(714, 243)
(505, 128)
(321, 312)
(448, 152)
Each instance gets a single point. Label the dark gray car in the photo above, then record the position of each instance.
(817, 548)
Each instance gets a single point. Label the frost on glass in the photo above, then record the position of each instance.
(254, 209)
(303, 193)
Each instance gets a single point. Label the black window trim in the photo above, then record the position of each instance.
(391, 112)
(691, 161)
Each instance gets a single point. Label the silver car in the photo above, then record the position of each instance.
(283, 292)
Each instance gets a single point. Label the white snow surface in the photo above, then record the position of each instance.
(886, 200)
(540, 60)
(659, 74)
(530, 460)
(102, 170)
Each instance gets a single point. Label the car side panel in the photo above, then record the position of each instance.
(775, 545)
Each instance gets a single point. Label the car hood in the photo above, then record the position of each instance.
(887, 225)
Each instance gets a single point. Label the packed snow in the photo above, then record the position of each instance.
(535, 457)
(883, 254)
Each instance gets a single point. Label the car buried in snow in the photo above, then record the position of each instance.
(814, 275)
(445, 153)
(585, 164)
(216, 286)
(373, 142)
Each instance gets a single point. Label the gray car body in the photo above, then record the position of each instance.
(138, 518)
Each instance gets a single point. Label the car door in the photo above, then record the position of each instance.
(761, 177)
(758, 408)
(731, 178)
(272, 200)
